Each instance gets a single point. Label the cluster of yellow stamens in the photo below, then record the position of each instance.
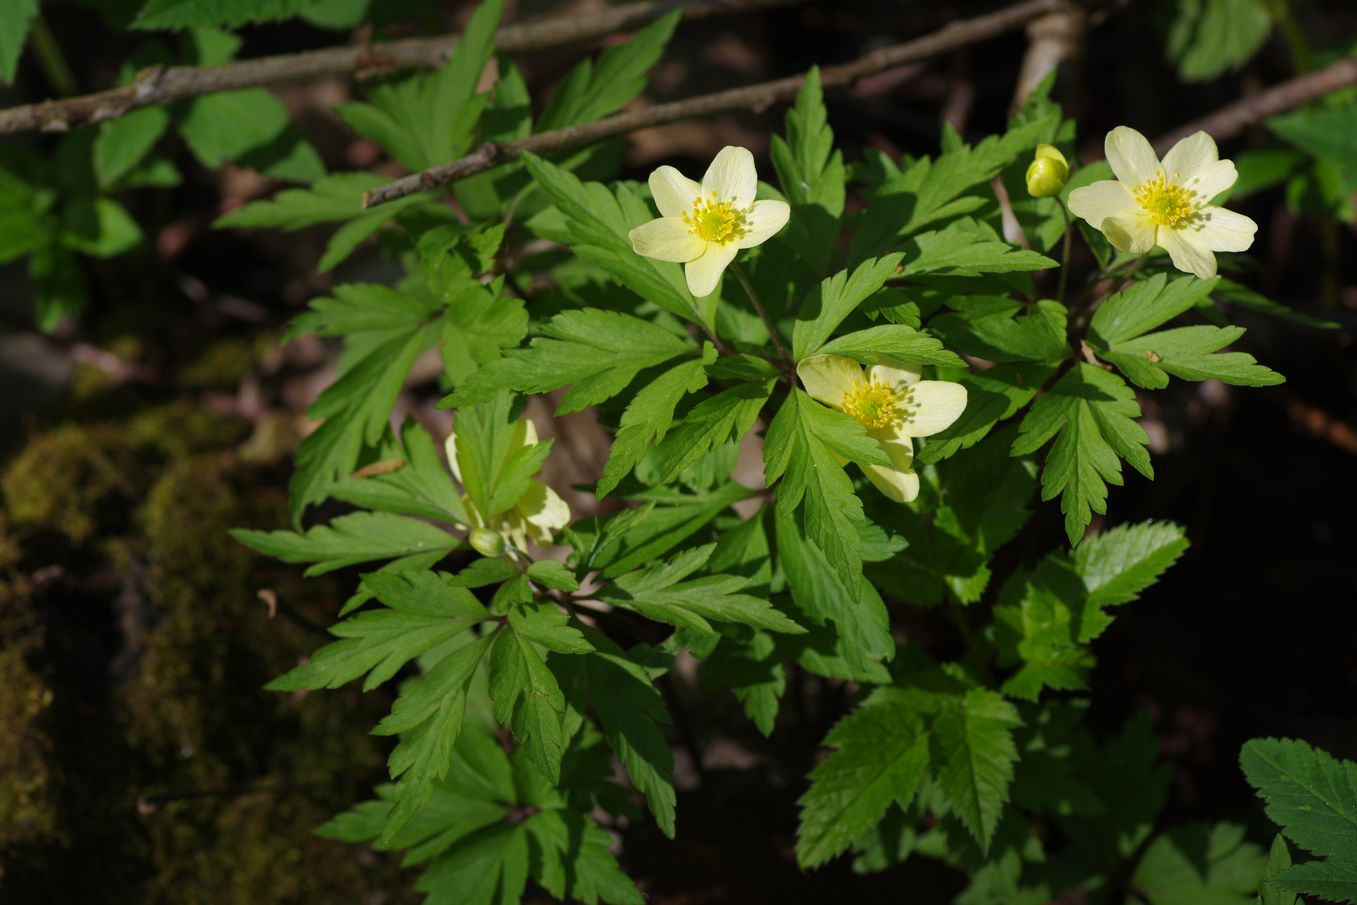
(871, 403)
(717, 221)
(1166, 203)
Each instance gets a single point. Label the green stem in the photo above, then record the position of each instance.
(51, 60)
(1296, 42)
(768, 324)
(1064, 254)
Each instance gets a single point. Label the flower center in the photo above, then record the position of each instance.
(871, 403)
(717, 221)
(1167, 204)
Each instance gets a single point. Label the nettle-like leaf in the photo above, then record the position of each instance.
(1313, 797)
(881, 758)
(972, 742)
(812, 176)
(649, 414)
(723, 418)
(1278, 860)
(1045, 619)
(836, 298)
(666, 594)
(351, 539)
(1091, 414)
(1119, 333)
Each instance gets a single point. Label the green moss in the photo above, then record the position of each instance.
(67, 478)
(227, 362)
(27, 813)
(184, 428)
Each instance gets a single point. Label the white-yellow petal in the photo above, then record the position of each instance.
(1098, 201)
(1131, 156)
(703, 273)
(667, 239)
(731, 177)
(1133, 233)
(897, 375)
(1189, 157)
(1211, 180)
(543, 512)
(1222, 230)
(828, 377)
(931, 406)
(1187, 252)
(450, 448)
(764, 220)
(897, 481)
(673, 192)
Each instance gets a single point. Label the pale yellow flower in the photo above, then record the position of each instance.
(1166, 204)
(537, 515)
(893, 404)
(703, 226)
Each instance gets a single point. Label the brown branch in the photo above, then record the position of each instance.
(1230, 120)
(158, 85)
(950, 37)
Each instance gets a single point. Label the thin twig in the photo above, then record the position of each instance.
(951, 37)
(157, 85)
(1232, 119)
(788, 364)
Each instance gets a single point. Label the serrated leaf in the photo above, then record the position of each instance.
(968, 248)
(1091, 413)
(1145, 305)
(881, 758)
(177, 14)
(836, 298)
(575, 861)
(988, 328)
(407, 478)
(755, 674)
(648, 416)
(423, 611)
(527, 699)
(992, 395)
(723, 418)
(1211, 37)
(972, 741)
(893, 340)
(349, 540)
(812, 175)
(1200, 865)
(1116, 565)
(488, 867)
(1278, 860)
(1313, 797)
(1189, 353)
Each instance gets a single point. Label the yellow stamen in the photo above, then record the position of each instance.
(1166, 203)
(872, 404)
(717, 221)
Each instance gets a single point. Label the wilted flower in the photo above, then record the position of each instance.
(1166, 204)
(703, 226)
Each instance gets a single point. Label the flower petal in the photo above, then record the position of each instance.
(897, 481)
(765, 219)
(931, 406)
(543, 511)
(1131, 156)
(673, 192)
(704, 273)
(1133, 233)
(828, 377)
(1101, 200)
(666, 239)
(731, 177)
(450, 448)
(1187, 159)
(1188, 252)
(1222, 230)
(898, 375)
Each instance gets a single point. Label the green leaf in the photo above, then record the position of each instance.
(576, 864)
(893, 340)
(1200, 865)
(497, 464)
(598, 221)
(755, 674)
(1091, 413)
(428, 119)
(836, 298)
(123, 142)
(881, 758)
(1278, 860)
(992, 395)
(972, 740)
(1235, 294)
(1313, 797)
(15, 17)
(252, 127)
(592, 90)
(489, 867)
(528, 699)
(1323, 131)
(648, 416)
(1210, 37)
(660, 593)
(987, 328)
(58, 285)
(1145, 305)
(99, 227)
(349, 540)
(553, 574)
(407, 478)
(812, 175)
(479, 325)
(598, 352)
(423, 611)
(1116, 565)
(177, 14)
(428, 716)
(723, 418)
(1189, 353)
(968, 248)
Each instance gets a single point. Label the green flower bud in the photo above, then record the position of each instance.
(487, 542)
(1048, 172)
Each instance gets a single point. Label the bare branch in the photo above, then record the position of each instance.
(1230, 120)
(158, 85)
(950, 37)
(1051, 40)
